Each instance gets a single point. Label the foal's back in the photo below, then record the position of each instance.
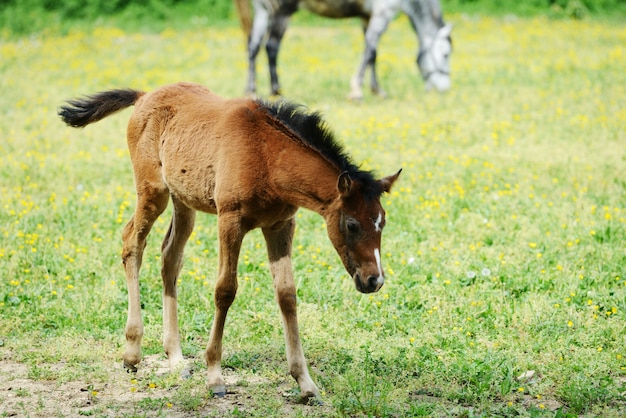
(193, 141)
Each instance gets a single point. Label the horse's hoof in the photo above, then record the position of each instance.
(130, 368)
(355, 96)
(380, 93)
(219, 391)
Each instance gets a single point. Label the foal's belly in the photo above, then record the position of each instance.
(192, 185)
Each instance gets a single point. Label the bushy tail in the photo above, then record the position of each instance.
(85, 110)
(245, 15)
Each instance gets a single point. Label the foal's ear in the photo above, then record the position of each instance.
(344, 183)
(388, 181)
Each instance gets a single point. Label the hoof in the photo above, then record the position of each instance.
(130, 368)
(219, 391)
(313, 401)
(380, 93)
(355, 96)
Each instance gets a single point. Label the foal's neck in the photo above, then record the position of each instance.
(311, 184)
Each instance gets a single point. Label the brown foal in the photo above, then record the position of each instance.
(252, 163)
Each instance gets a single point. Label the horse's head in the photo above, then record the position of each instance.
(355, 223)
(433, 59)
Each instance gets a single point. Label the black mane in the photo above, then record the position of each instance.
(311, 129)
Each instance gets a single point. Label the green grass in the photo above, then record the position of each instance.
(504, 249)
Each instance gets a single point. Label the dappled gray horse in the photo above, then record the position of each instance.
(272, 16)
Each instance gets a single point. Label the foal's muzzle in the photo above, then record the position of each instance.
(371, 285)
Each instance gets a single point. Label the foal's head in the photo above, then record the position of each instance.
(355, 223)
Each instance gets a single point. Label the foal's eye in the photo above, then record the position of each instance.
(353, 226)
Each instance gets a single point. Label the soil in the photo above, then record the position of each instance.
(21, 396)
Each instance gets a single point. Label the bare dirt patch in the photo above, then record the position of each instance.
(21, 395)
(123, 394)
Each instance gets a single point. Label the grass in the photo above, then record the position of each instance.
(504, 250)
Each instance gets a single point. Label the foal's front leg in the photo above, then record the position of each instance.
(279, 243)
(231, 235)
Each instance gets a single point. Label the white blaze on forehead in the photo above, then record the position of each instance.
(377, 225)
(380, 270)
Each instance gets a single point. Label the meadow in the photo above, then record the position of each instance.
(505, 245)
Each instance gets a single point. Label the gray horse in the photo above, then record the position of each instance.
(272, 16)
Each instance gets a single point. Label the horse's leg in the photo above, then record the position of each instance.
(356, 83)
(374, 29)
(172, 249)
(279, 243)
(259, 28)
(277, 31)
(374, 86)
(151, 202)
(231, 234)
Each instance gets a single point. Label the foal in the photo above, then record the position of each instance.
(253, 164)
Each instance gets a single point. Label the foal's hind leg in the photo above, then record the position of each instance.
(177, 235)
(151, 202)
(279, 243)
(231, 234)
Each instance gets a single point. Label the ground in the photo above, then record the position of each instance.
(126, 395)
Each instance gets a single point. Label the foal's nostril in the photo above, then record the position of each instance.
(371, 285)
(372, 282)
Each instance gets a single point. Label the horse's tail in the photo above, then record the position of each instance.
(245, 15)
(85, 110)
